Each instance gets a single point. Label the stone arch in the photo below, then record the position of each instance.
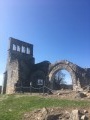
(66, 65)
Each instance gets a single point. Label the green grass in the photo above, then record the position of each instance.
(13, 107)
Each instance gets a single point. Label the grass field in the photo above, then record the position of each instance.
(12, 107)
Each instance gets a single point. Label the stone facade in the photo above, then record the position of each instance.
(21, 70)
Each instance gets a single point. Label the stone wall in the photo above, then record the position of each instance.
(0, 89)
(39, 72)
(12, 76)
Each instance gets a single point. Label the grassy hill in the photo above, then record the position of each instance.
(12, 107)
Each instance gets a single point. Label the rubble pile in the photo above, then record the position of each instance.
(57, 114)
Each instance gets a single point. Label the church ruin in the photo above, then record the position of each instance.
(22, 71)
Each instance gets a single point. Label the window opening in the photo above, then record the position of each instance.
(14, 47)
(18, 48)
(23, 49)
(28, 50)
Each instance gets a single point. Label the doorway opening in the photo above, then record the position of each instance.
(62, 80)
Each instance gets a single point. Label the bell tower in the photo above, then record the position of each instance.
(19, 63)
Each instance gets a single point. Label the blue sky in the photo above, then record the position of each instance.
(58, 29)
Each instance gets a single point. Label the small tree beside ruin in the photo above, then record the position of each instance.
(59, 80)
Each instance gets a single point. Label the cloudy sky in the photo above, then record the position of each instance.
(58, 29)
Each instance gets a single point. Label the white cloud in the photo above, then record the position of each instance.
(1, 79)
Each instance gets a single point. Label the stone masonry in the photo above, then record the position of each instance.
(21, 70)
(0, 89)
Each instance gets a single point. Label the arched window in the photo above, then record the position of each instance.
(23, 49)
(14, 47)
(28, 50)
(18, 48)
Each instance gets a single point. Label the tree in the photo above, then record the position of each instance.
(59, 79)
